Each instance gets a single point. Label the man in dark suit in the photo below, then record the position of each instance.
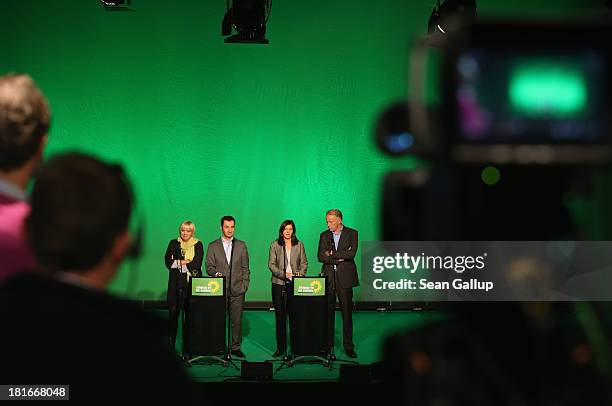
(220, 254)
(337, 249)
(62, 327)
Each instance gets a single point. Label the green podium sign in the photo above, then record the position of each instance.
(308, 286)
(207, 286)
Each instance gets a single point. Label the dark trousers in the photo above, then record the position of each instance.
(236, 305)
(345, 297)
(279, 301)
(178, 299)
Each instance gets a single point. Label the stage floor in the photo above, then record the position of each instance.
(370, 328)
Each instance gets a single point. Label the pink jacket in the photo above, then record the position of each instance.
(15, 255)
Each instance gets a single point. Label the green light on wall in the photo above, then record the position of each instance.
(548, 88)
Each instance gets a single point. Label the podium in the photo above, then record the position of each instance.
(307, 302)
(204, 335)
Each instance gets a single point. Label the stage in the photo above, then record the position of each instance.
(259, 343)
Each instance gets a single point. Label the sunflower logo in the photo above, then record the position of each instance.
(214, 286)
(316, 286)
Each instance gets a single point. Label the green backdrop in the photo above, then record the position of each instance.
(206, 129)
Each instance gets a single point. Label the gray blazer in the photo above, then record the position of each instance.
(216, 261)
(277, 261)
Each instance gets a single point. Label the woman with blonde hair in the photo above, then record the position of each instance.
(183, 259)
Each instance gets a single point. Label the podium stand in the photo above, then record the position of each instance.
(204, 335)
(308, 319)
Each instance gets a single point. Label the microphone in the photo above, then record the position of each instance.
(178, 253)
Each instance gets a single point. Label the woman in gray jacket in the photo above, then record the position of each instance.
(287, 259)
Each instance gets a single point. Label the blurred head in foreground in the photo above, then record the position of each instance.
(79, 220)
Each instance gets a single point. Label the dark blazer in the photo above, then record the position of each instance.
(86, 337)
(343, 258)
(177, 280)
(277, 261)
(217, 262)
(195, 266)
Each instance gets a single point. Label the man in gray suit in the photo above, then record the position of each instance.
(220, 254)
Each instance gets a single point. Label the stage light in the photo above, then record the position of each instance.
(447, 10)
(248, 18)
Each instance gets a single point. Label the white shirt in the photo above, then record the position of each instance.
(227, 247)
(288, 270)
(336, 235)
